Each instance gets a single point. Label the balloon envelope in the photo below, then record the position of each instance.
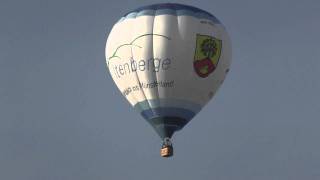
(168, 60)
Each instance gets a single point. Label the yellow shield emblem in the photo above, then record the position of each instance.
(207, 55)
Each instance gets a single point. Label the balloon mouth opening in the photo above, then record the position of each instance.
(167, 126)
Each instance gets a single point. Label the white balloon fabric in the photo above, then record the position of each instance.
(168, 60)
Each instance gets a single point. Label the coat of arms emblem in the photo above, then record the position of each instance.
(207, 55)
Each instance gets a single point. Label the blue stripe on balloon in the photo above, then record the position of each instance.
(146, 13)
(172, 6)
(131, 15)
(166, 12)
(185, 12)
(167, 112)
(171, 9)
(178, 103)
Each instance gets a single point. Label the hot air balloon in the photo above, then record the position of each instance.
(168, 60)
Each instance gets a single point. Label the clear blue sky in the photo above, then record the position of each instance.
(62, 117)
